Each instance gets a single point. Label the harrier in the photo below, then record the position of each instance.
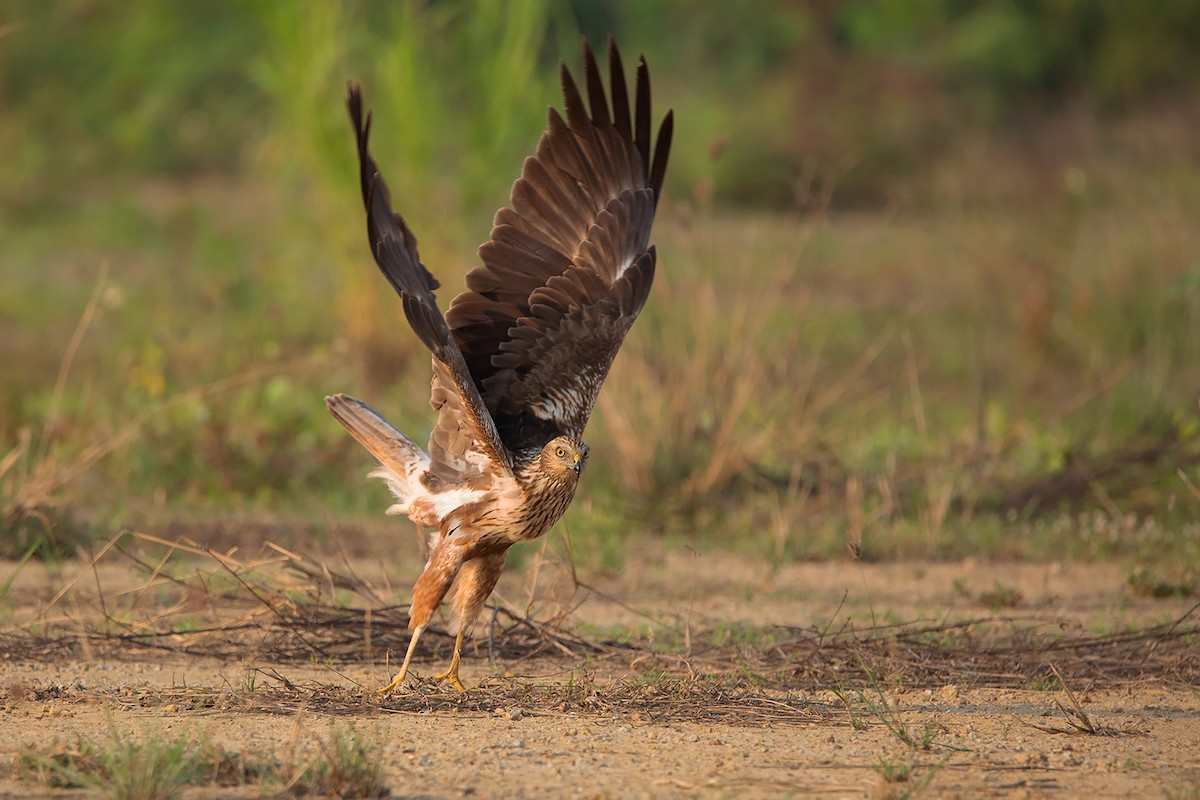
(519, 357)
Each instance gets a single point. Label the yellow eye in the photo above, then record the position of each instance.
(561, 452)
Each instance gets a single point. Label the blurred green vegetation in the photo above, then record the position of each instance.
(930, 272)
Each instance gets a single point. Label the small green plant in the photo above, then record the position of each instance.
(729, 632)
(216, 765)
(1145, 582)
(1000, 597)
(911, 772)
(1191, 792)
(147, 770)
(894, 771)
(153, 769)
(1043, 683)
(654, 677)
(914, 777)
(891, 718)
(66, 767)
(857, 721)
(348, 767)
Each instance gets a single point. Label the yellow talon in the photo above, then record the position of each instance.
(394, 685)
(451, 673)
(451, 677)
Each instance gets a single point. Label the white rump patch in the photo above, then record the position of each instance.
(438, 505)
(445, 503)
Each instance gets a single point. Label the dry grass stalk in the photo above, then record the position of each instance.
(37, 479)
(665, 700)
(282, 607)
(1078, 720)
(742, 389)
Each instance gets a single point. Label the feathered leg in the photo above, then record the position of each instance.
(476, 579)
(444, 563)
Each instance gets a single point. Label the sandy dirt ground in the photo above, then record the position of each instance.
(981, 738)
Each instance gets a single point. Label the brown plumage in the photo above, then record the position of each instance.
(519, 357)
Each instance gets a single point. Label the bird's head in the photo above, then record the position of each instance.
(563, 458)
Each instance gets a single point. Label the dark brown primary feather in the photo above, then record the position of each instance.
(385, 229)
(569, 266)
(465, 443)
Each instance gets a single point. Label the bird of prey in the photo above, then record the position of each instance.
(519, 357)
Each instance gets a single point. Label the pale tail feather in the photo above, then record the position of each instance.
(401, 459)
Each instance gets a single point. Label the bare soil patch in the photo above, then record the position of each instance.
(694, 674)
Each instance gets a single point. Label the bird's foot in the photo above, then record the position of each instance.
(396, 681)
(450, 676)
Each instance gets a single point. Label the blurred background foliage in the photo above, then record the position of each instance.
(930, 279)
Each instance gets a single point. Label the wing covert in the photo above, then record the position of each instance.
(568, 265)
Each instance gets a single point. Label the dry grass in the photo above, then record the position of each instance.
(36, 476)
(283, 608)
(896, 378)
(41, 475)
(1077, 719)
(660, 701)
(1008, 329)
(829, 373)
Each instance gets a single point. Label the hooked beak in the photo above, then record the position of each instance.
(577, 463)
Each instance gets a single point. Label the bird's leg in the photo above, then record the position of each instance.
(451, 673)
(403, 673)
(476, 579)
(430, 588)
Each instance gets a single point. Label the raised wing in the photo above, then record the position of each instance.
(568, 266)
(465, 443)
